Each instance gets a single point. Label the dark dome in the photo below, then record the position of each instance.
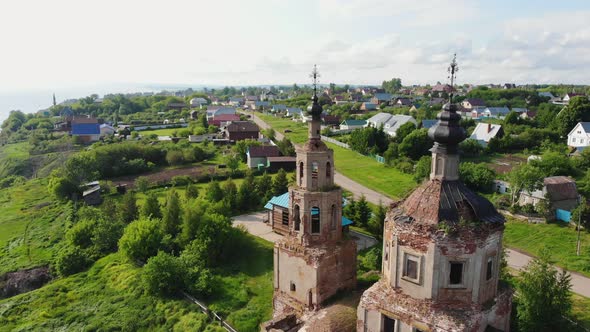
(447, 130)
(315, 110)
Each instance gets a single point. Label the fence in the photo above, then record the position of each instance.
(337, 142)
(212, 314)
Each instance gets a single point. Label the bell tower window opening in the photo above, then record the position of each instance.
(314, 170)
(315, 220)
(296, 217)
(490, 268)
(300, 173)
(328, 169)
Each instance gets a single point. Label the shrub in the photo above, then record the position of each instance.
(163, 275)
(71, 260)
(142, 184)
(80, 235)
(141, 239)
(192, 321)
(180, 180)
(174, 157)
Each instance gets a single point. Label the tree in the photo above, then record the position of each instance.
(71, 260)
(248, 198)
(525, 177)
(477, 176)
(80, 235)
(163, 274)
(141, 239)
(470, 148)
(378, 221)
(214, 193)
(576, 111)
(191, 192)
(230, 195)
(363, 212)
(511, 118)
(404, 130)
(106, 235)
(392, 86)
(422, 169)
(264, 187)
(171, 214)
(193, 214)
(280, 184)
(553, 163)
(128, 209)
(582, 213)
(286, 147)
(151, 207)
(142, 184)
(232, 160)
(416, 144)
(391, 154)
(544, 299)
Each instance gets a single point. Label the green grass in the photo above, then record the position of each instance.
(109, 297)
(15, 150)
(31, 226)
(159, 132)
(371, 174)
(298, 132)
(581, 310)
(558, 237)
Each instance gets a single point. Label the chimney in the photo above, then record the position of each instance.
(489, 127)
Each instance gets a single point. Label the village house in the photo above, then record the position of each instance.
(288, 163)
(528, 115)
(87, 129)
(217, 111)
(435, 101)
(402, 102)
(91, 193)
(241, 130)
(106, 130)
(330, 120)
(260, 106)
(368, 106)
(339, 100)
(390, 122)
(176, 106)
(198, 102)
(223, 120)
(495, 112)
(484, 132)
(439, 89)
(235, 101)
(471, 103)
(294, 112)
(561, 192)
(380, 98)
(352, 124)
(256, 156)
(568, 96)
(268, 96)
(507, 86)
(579, 136)
(278, 108)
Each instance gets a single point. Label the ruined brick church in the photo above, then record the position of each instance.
(442, 247)
(442, 250)
(315, 259)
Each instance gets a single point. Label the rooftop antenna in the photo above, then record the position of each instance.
(453, 69)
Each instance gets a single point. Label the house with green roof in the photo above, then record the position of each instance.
(352, 124)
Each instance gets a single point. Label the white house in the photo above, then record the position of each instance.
(579, 137)
(390, 122)
(496, 112)
(294, 112)
(106, 130)
(484, 132)
(198, 102)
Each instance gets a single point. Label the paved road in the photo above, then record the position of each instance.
(516, 260)
(255, 225)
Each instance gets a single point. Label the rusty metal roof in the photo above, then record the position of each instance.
(452, 201)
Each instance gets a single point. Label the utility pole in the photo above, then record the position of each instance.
(579, 222)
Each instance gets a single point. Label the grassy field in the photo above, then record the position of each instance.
(15, 150)
(298, 132)
(109, 297)
(558, 237)
(31, 225)
(371, 174)
(581, 310)
(159, 132)
(362, 169)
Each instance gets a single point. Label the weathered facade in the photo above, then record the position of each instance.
(441, 253)
(315, 259)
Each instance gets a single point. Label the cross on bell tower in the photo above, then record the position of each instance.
(315, 110)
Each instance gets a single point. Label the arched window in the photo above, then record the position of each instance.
(300, 173)
(315, 168)
(334, 218)
(296, 217)
(328, 169)
(315, 220)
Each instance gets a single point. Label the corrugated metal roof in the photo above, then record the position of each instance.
(86, 129)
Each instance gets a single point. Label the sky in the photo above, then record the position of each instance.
(83, 46)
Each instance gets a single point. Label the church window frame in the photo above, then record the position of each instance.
(456, 273)
(334, 217)
(328, 169)
(297, 217)
(315, 169)
(411, 269)
(285, 217)
(315, 220)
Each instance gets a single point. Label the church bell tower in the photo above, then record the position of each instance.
(315, 259)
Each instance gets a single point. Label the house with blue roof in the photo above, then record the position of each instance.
(88, 132)
(495, 112)
(379, 98)
(278, 108)
(278, 214)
